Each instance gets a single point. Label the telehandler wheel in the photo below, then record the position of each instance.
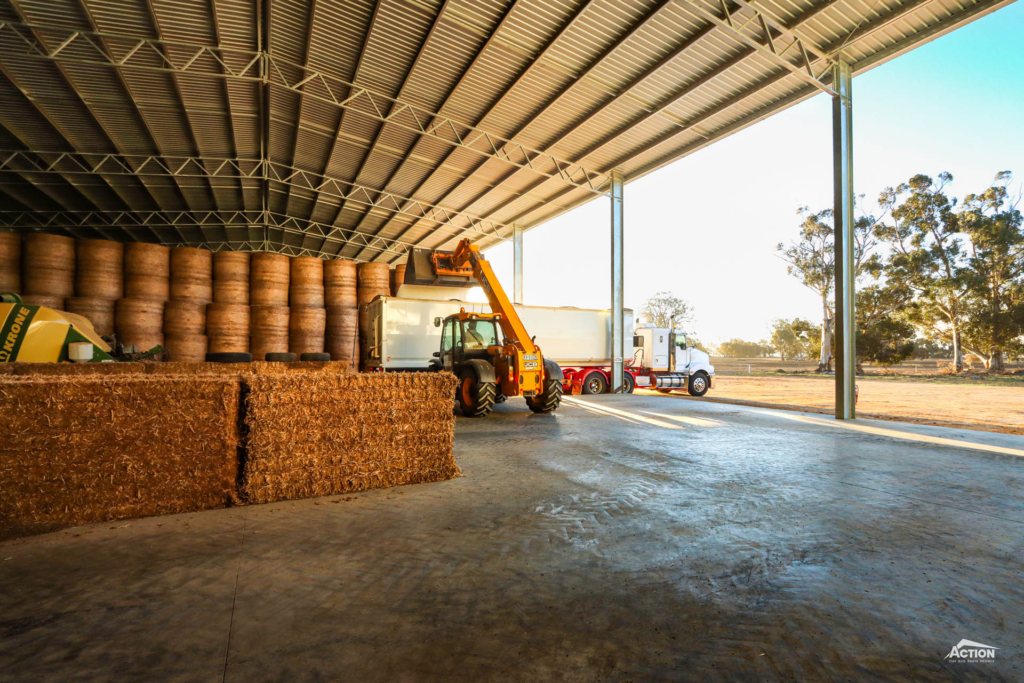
(476, 399)
(549, 401)
(595, 383)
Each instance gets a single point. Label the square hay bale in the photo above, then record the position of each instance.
(318, 434)
(100, 447)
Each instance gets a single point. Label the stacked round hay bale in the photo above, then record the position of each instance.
(269, 278)
(227, 328)
(231, 277)
(268, 331)
(147, 271)
(397, 279)
(10, 262)
(307, 326)
(340, 300)
(374, 281)
(139, 323)
(191, 289)
(48, 269)
(99, 282)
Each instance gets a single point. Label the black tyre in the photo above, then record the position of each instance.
(628, 383)
(476, 398)
(229, 358)
(279, 357)
(595, 383)
(315, 357)
(698, 384)
(548, 401)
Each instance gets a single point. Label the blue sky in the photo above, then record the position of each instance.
(706, 227)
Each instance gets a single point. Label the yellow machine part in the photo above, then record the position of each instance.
(44, 337)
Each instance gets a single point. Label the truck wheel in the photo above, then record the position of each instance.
(475, 398)
(698, 384)
(628, 383)
(595, 383)
(549, 401)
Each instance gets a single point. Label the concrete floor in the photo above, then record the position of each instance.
(674, 540)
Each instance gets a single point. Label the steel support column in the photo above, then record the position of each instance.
(618, 345)
(842, 174)
(517, 265)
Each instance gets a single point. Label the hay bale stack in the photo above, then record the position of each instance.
(114, 446)
(306, 289)
(268, 279)
(186, 347)
(374, 280)
(139, 323)
(269, 333)
(227, 328)
(340, 283)
(147, 271)
(10, 262)
(48, 265)
(306, 330)
(231, 277)
(191, 275)
(184, 318)
(342, 334)
(54, 302)
(100, 312)
(324, 434)
(397, 279)
(99, 269)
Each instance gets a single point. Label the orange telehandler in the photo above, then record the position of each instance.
(489, 370)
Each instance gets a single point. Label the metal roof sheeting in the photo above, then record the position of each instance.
(359, 129)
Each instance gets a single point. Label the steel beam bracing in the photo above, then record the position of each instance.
(122, 52)
(845, 284)
(618, 343)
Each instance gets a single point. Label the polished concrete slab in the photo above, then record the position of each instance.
(623, 539)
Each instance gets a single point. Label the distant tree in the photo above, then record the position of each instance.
(792, 338)
(994, 271)
(737, 348)
(883, 335)
(811, 259)
(929, 348)
(664, 309)
(927, 258)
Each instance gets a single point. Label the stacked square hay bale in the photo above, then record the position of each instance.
(99, 447)
(323, 434)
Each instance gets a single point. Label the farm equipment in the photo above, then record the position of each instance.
(470, 348)
(37, 334)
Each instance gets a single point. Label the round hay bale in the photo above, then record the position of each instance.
(185, 319)
(54, 302)
(398, 279)
(374, 280)
(268, 279)
(147, 271)
(191, 275)
(99, 269)
(100, 312)
(306, 289)
(306, 328)
(340, 283)
(268, 330)
(231, 277)
(342, 333)
(227, 328)
(139, 323)
(260, 346)
(10, 262)
(48, 265)
(186, 347)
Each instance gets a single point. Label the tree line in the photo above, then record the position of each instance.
(930, 274)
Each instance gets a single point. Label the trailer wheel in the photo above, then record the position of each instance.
(628, 383)
(698, 384)
(595, 383)
(549, 401)
(476, 398)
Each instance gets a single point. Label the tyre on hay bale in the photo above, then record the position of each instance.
(191, 275)
(99, 269)
(10, 262)
(315, 357)
(147, 271)
(48, 265)
(280, 357)
(100, 312)
(228, 357)
(231, 277)
(269, 275)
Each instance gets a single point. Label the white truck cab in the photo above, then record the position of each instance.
(663, 360)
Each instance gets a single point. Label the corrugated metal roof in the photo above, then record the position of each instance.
(361, 128)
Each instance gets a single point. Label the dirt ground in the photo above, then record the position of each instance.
(914, 367)
(997, 408)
